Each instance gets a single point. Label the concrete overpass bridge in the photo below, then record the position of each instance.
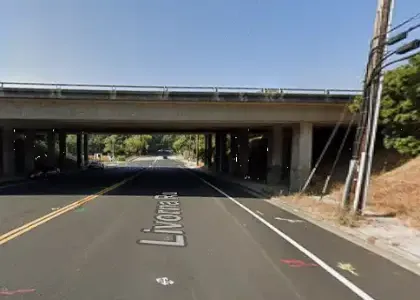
(58, 109)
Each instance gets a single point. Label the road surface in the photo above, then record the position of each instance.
(155, 230)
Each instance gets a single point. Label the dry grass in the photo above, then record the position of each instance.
(398, 191)
(394, 190)
(321, 210)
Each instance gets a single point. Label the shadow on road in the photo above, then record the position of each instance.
(148, 181)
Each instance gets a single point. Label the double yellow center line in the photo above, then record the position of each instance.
(35, 223)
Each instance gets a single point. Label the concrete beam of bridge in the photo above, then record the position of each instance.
(124, 109)
(150, 113)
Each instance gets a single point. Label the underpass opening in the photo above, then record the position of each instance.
(282, 154)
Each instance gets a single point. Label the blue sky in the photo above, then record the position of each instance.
(261, 43)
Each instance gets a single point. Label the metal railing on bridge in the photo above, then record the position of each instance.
(177, 93)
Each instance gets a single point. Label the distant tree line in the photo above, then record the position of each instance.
(132, 145)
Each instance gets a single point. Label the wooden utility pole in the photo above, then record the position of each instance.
(378, 46)
(381, 27)
(375, 58)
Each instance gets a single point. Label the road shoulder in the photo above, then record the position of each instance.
(401, 257)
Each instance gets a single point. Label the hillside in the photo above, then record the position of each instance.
(398, 191)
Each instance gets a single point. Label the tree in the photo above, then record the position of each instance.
(399, 116)
(187, 143)
(136, 144)
(160, 141)
(96, 143)
(71, 143)
(400, 108)
(168, 140)
(114, 144)
(182, 143)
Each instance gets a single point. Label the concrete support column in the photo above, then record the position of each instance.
(218, 153)
(85, 149)
(243, 152)
(79, 150)
(233, 153)
(29, 150)
(8, 152)
(210, 149)
(206, 150)
(301, 155)
(275, 155)
(213, 151)
(62, 149)
(224, 164)
(207, 146)
(52, 160)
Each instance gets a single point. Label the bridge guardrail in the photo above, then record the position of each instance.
(62, 90)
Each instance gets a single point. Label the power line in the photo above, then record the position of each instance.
(405, 22)
(396, 27)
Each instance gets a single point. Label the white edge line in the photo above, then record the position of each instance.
(295, 244)
(153, 163)
(383, 251)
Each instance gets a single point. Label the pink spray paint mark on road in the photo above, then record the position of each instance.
(6, 292)
(297, 263)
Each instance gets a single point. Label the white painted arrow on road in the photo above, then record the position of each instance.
(164, 281)
(289, 220)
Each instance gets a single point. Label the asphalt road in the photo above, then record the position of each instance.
(212, 240)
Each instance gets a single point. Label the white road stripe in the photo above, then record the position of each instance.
(295, 244)
(153, 163)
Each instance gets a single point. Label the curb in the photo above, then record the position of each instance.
(379, 248)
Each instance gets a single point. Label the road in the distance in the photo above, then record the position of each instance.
(204, 245)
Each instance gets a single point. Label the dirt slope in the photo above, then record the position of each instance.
(399, 191)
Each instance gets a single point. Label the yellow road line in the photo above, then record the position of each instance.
(35, 223)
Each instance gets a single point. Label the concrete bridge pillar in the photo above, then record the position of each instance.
(301, 155)
(52, 159)
(243, 152)
(224, 166)
(62, 149)
(208, 149)
(233, 155)
(79, 150)
(275, 155)
(29, 144)
(220, 159)
(217, 152)
(8, 152)
(86, 149)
